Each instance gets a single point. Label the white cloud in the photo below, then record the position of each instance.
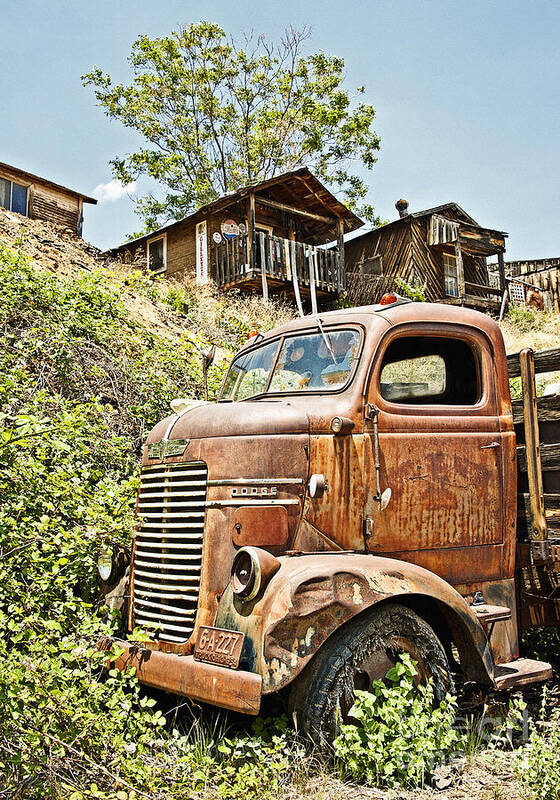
(112, 191)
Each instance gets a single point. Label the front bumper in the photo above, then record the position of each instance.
(236, 690)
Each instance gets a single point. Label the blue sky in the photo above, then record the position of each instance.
(466, 96)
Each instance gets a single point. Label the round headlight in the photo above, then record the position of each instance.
(105, 564)
(246, 573)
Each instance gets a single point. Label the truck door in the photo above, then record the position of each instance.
(433, 390)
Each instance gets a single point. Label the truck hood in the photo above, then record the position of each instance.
(254, 418)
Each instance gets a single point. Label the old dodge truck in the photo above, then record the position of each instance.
(364, 487)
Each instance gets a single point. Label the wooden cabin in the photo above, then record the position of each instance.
(442, 249)
(39, 198)
(283, 235)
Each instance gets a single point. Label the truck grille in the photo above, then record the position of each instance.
(168, 551)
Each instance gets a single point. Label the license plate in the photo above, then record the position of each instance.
(218, 646)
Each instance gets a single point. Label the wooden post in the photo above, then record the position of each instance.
(295, 279)
(263, 253)
(503, 284)
(501, 271)
(341, 266)
(251, 233)
(537, 528)
(311, 258)
(460, 269)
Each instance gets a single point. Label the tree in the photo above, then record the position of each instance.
(217, 115)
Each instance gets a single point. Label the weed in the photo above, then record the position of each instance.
(537, 764)
(400, 736)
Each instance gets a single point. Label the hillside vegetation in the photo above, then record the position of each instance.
(83, 376)
(90, 357)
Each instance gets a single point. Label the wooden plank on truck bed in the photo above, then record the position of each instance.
(545, 361)
(551, 507)
(550, 457)
(548, 409)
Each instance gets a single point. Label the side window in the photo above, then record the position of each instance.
(373, 266)
(5, 193)
(430, 371)
(13, 196)
(450, 275)
(157, 254)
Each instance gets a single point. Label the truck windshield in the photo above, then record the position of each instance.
(305, 363)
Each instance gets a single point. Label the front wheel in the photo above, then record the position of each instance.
(361, 652)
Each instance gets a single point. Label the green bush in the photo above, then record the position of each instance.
(401, 735)
(416, 293)
(80, 384)
(526, 319)
(538, 764)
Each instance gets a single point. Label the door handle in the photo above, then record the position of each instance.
(490, 446)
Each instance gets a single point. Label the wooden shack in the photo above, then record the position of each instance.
(39, 198)
(441, 249)
(283, 235)
(542, 273)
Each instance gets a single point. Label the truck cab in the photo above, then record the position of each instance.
(353, 490)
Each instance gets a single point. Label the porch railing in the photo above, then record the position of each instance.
(283, 261)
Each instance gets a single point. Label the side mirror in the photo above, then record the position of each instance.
(207, 359)
(385, 499)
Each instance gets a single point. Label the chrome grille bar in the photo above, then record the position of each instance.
(168, 551)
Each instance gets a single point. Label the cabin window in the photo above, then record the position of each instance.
(430, 371)
(450, 275)
(13, 196)
(373, 266)
(157, 254)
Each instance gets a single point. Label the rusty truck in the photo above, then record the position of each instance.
(363, 487)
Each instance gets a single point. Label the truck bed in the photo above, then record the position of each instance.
(537, 426)
(548, 412)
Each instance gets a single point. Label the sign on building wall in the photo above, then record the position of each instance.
(230, 229)
(201, 253)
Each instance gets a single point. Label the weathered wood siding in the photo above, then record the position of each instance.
(181, 250)
(406, 254)
(543, 273)
(48, 203)
(394, 246)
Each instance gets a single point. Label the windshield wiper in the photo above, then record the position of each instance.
(327, 341)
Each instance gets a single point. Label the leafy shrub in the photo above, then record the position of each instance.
(400, 736)
(80, 383)
(537, 764)
(526, 319)
(416, 293)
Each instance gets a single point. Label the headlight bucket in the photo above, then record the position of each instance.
(105, 563)
(251, 570)
(112, 561)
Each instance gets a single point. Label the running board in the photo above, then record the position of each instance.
(487, 614)
(521, 672)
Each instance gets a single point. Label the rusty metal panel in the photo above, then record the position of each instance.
(339, 512)
(265, 526)
(207, 683)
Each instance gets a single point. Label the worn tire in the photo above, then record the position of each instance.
(358, 653)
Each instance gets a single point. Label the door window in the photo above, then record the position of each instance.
(430, 371)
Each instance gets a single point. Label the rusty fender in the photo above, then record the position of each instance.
(313, 595)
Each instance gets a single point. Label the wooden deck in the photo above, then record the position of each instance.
(281, 263)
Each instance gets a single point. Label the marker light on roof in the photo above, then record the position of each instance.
(252, 334)
(388, 299)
